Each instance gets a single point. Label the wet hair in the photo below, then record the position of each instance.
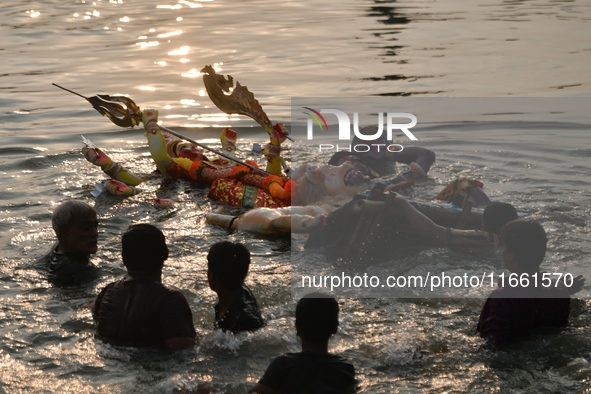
(527, 241)
(229, 262)
(496, 215)
(144, 249)
(64, 214)
(317, 317)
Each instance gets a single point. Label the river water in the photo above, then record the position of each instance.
(153, 51)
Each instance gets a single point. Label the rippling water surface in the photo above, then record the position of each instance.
(153, 51)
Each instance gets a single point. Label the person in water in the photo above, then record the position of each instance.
(314, 369)
(495, 216)
(237, 309)
(68, 262)
(513, 311)
(139, 310)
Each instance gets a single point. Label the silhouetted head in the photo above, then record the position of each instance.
(524, 245)
(227, 264)
(144, 249)
(317, 318)
(496, 215)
